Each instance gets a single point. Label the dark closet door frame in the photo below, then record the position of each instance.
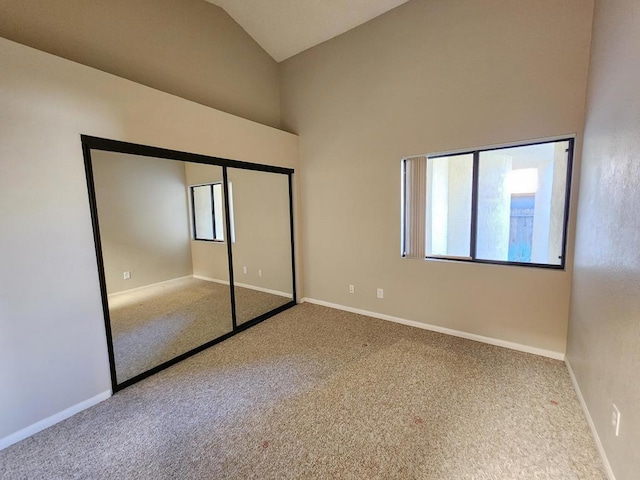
(96, 143)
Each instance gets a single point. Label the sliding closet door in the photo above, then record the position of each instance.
(161, 228)
(261, 242)
(190, 249)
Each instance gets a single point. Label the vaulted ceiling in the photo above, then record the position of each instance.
(287, 27)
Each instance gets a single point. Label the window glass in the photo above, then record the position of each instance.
(203, 222)
(449, 186)
(218, 211)
(521, 203)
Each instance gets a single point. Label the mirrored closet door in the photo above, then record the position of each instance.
(261, 242)
(191, 249)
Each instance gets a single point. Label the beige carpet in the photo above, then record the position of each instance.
(252, 303)
(156, 324)
(315, 393)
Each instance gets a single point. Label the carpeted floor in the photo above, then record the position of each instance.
(153, 325)
(253, 303)
(315, 393)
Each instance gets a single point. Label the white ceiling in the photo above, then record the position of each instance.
(286, 27)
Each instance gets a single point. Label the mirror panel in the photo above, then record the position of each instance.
(167, 291)
(261, 242)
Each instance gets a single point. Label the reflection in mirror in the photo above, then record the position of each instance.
(167, 290)
(262, 272)
(206, 201)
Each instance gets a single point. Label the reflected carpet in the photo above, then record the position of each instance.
(155, 324)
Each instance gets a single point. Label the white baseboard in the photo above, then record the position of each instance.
(131, 290)
(592, 425)
(265, 290)
(447, 331)
(52, 420)
(245, 285)
(210, 279)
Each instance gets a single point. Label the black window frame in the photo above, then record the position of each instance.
(213, 213)
(474, 205)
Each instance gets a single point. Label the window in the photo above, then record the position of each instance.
(504, 205)
(207, 212)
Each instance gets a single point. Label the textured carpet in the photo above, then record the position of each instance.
(315, 393)
(153, 325)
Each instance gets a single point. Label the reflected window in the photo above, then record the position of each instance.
(207, 212)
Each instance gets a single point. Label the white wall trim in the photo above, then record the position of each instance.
(265, 290)
(52, 420)
(592, 425)
(131, 290)
(210, 279)
(447, 331)
(246, 285)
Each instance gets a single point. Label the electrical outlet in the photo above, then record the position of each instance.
(245, 269)
(380, 293)
(126, 275)
(259, 273)
(615, 419)
(352, 289)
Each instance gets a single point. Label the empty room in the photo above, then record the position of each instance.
(382, 239)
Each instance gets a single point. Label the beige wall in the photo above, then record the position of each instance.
(604, 328)
(431, 76)
(144, 219)
(52, 342)
(189, 48)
